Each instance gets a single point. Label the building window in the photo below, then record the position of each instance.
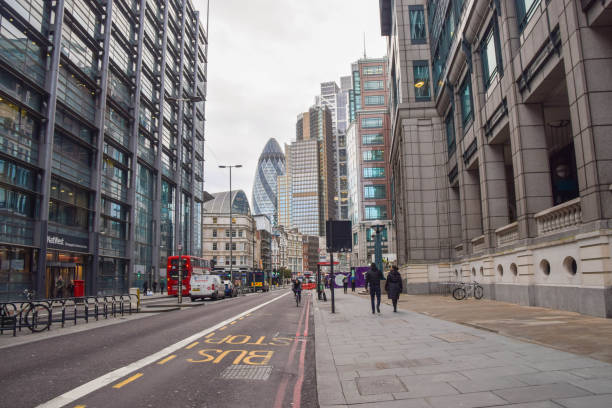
(465, 94)
(374, 100)
(214, 246)
(450, 132)
(375, 212)
(373, 85)
(372, 139)
(373, 155)
(214, 233)
(418, 33)
(421, 80)
(374, 191)
(524, 10)
(373, 70)
(373, 172)
(371, 235)
(490, 53)
(370, 123)
(214, 220)
(227, 246)
(239, 233)
(355, 238)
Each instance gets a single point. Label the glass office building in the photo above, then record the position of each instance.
(271, 165)
(98, 164)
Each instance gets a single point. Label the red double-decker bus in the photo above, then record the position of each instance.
(190, 265)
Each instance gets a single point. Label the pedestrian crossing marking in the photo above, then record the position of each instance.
(192, 345)
(129, 380)
(165, 360)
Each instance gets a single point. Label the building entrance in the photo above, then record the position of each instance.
(61, 271)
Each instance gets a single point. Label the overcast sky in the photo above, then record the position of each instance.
(266, 60)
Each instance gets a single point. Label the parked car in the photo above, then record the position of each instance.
(206, 286)
(230, 289)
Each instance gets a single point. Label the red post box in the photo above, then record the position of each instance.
(79, 288)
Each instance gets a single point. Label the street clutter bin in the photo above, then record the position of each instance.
(79, 288)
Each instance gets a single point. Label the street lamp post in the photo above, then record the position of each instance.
(230, 213)
(191, 99)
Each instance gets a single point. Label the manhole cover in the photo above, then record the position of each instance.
(456, 337)
(247, 372)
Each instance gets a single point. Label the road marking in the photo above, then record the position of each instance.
(79, 406)
(129, 380)
(297, 388)
(223, 328)
(165, 360)
(210, 335)
(192, 345)
(113, 376)
(234, 322)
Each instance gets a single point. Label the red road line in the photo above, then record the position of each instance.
(280, 394)
(297, 388)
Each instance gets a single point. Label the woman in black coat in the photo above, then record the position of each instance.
(394, 286)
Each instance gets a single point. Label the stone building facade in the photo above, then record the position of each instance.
(501, 152)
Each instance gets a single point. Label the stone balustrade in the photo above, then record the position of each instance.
(507, 234)
(478, 243)
(559, 217)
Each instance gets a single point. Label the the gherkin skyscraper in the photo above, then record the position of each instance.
(271, 165)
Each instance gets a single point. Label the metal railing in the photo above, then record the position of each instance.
(66, 310)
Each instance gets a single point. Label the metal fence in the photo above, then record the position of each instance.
(13, 315)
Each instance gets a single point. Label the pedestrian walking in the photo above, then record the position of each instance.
(352, 283)
(394, 286)
(59, 287)
(154, 286)
(373, 278)
(162, 286)
(345, 283)
(145, 287)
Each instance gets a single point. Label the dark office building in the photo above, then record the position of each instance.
(101, 142)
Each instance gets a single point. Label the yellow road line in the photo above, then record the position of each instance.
(234, 322)
(223, 328)
(192, 345)
(79, 406)
(129, 380)
(165, 360)
(241, 318)
(210, 335)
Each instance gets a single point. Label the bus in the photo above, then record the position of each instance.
(258, 280)
(190, 265)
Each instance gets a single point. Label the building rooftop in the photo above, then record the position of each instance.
(220, 204)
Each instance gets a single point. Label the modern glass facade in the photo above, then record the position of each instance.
(271, 165)
(86, 92)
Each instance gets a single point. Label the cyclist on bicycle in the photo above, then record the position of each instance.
(297, 289)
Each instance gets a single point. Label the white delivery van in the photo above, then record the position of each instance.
(206, 286)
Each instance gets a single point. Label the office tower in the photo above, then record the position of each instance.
(312, 175)
(284, 192)
(270, 166)
(368, 146)
(102, 173)
(499, 153)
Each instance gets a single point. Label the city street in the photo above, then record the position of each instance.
(254, 350)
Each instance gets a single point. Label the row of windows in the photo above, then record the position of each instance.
(372, 70)
(372, 139)
(371, 123)
(375, 212)
(374, 191)
(374, 100)
(373, 172)
(373, 155)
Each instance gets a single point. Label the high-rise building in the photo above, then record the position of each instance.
(284, 192)
(101, 168)
(368, 144)
(336, 100)
(270, 166)
(500, 147)
(312, 175)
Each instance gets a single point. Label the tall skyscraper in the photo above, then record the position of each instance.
(368, 155)
(312, 197)
(336, 100)
(101, 172)
(284, 192)
(270, 166)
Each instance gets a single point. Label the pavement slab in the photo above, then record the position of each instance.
(408, 359)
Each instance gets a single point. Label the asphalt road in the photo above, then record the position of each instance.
(221, 355)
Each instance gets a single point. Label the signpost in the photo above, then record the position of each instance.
(338, 239)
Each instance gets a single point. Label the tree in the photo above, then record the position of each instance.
(285, 273)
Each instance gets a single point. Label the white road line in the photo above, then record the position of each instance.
(119, 373)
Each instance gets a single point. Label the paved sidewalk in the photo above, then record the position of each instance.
(407, 359)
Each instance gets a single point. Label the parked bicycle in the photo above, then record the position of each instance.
(36, 316)
(468, 289)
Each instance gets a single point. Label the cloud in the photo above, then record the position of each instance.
(267, 59)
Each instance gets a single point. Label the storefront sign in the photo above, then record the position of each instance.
(66, 242)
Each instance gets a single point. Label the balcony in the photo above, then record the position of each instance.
(478, 243)
(507, 234)
(559, 218)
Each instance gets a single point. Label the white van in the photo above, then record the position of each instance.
(206, 286)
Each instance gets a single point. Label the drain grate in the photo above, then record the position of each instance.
(247, 372)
